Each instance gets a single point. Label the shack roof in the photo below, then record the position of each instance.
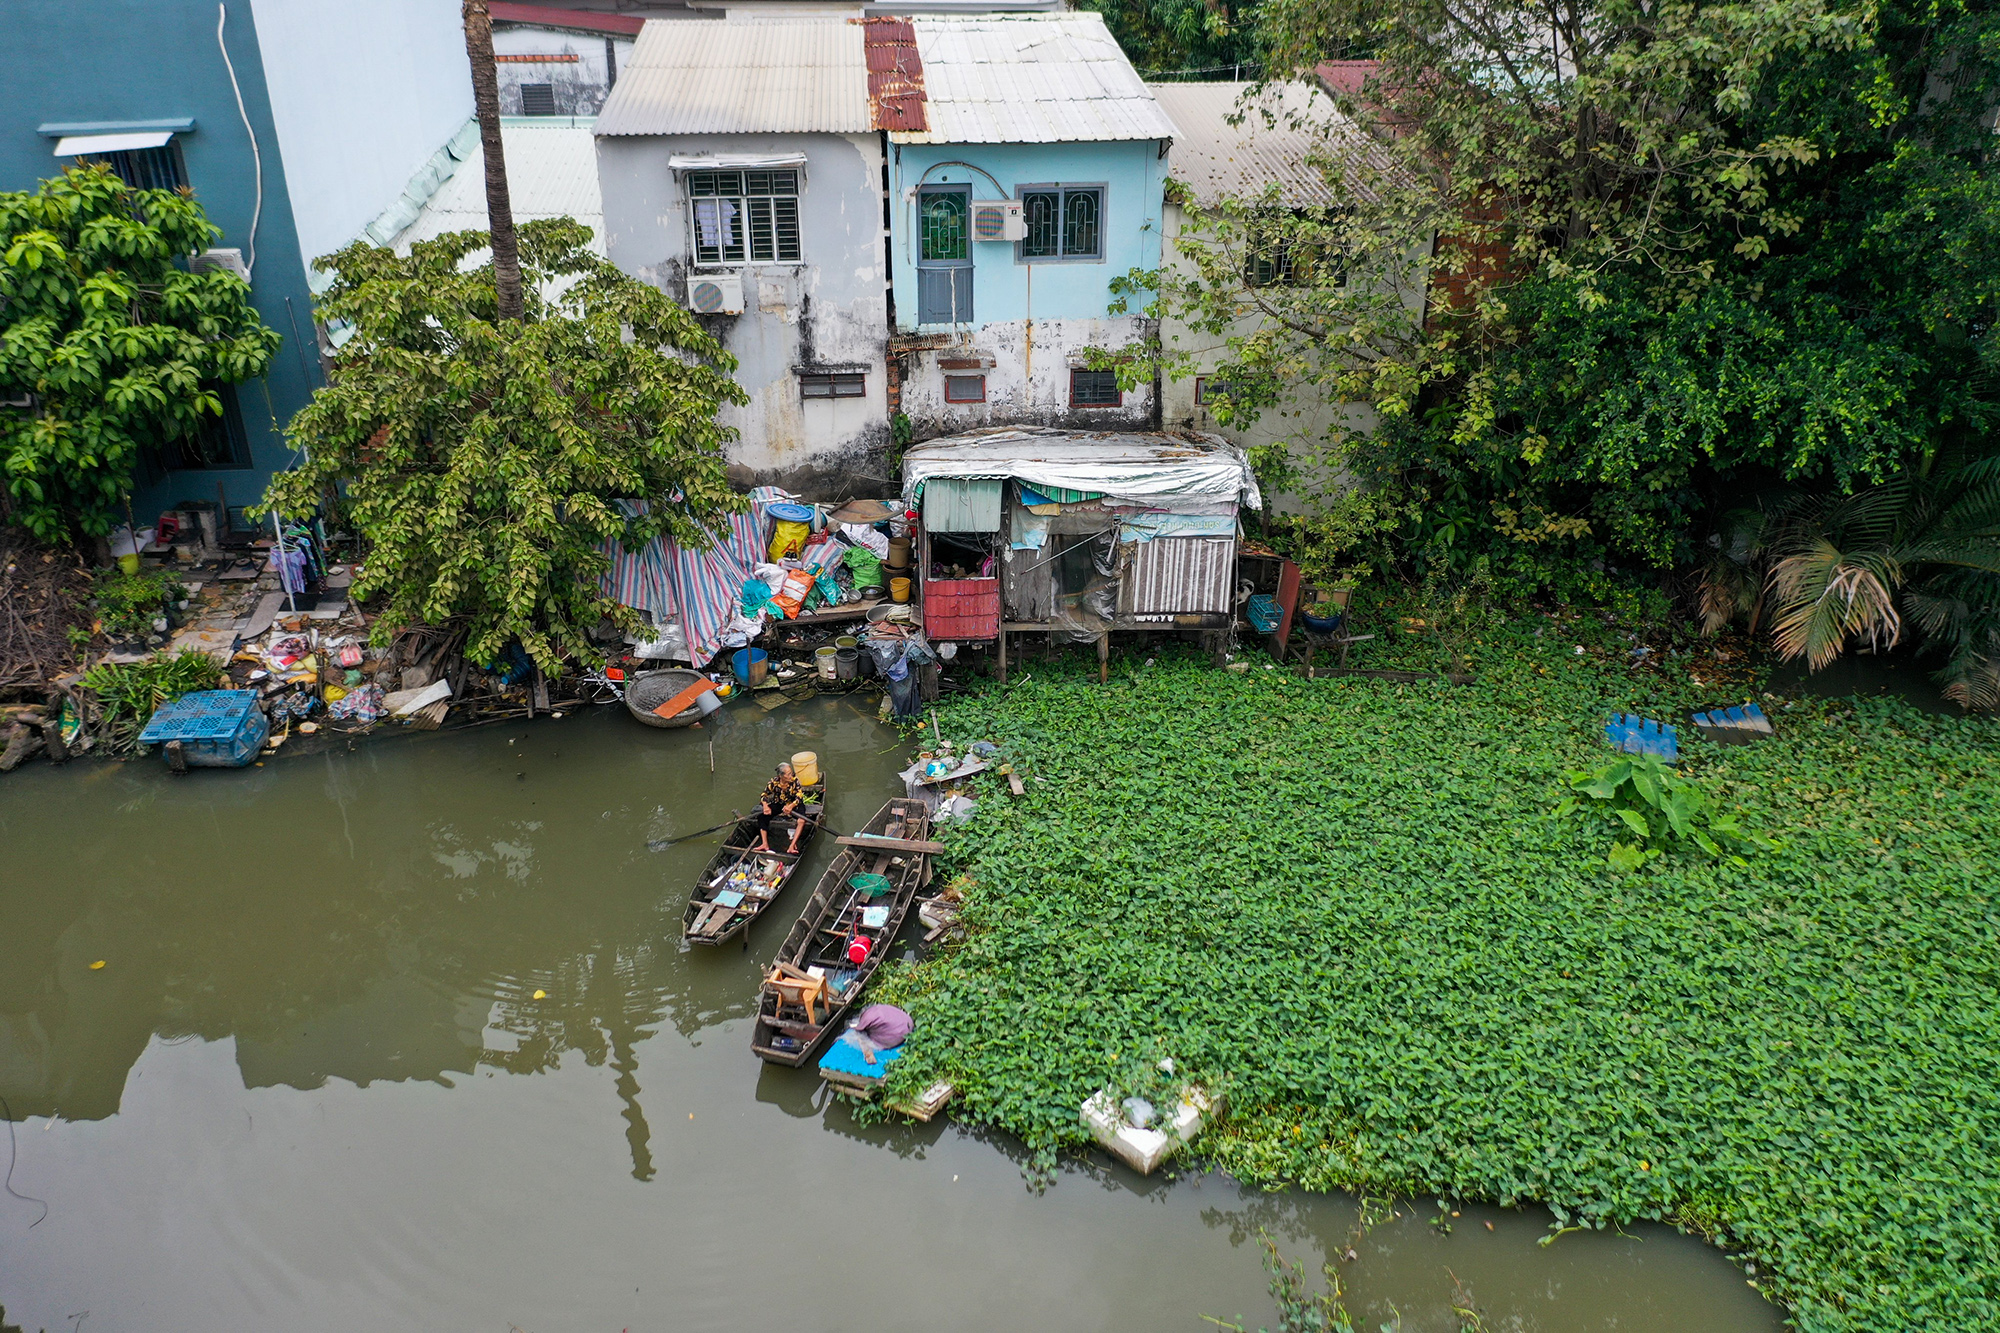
(752, 76)
(1150, 467)
(555, 16)
(1291, 135)
(1029, 78)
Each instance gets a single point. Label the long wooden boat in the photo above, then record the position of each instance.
(787, 1033)
(740, 883)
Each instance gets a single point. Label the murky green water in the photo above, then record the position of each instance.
(311, 1088)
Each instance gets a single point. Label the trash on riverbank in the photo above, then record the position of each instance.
(1139, 1146)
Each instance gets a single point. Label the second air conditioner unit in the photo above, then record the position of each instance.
(998, 220)
(229, 260)
(715, 293)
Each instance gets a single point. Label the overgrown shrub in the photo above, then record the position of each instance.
(129, 693)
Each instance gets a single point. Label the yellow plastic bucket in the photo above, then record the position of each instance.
(805, 767)
(899, 590)
(129, 562)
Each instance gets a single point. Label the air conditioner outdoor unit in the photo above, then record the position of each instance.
(715, 293)
(998, 220)
(231, 259)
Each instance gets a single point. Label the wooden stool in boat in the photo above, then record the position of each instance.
(799, 989)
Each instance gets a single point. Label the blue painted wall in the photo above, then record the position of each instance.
(1004, 289)
(125, 60)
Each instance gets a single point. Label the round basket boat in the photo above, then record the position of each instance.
(649, 689)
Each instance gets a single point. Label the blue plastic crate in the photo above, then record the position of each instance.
(216, 728)
(1642, 735)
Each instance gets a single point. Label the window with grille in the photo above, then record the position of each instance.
(1063, 222)
(965, 388)
(834, 385)
(1279, 256)
(1208, 389)
(538, 99)
(741, 217)
(1094, 388)
(221, 443)
(148, 168)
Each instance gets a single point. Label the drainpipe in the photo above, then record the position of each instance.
(1028, 350)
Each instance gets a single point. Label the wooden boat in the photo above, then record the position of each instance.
(740, 883)
(815, 952)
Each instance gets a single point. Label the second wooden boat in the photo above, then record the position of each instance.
(817, 979)
(740, 882)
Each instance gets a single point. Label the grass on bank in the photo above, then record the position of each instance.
(1341, 901)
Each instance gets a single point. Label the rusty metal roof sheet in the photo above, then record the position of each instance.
(742, 76)
(1029, 78)
(1289, 135)
(895, 74)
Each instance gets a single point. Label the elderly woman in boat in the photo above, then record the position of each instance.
(782, 796)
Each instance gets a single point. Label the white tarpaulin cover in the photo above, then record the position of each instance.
(1153, 469)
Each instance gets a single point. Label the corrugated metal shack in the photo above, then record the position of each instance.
(1076, 534)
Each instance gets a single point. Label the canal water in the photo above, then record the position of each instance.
(401, 1036)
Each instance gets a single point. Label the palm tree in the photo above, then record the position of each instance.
(499, 208)
(1922, 548)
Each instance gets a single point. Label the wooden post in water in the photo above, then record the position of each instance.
(711, 754)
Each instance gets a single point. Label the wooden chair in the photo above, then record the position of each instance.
(799, 988)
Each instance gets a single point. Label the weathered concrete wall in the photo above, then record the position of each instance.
(580, 85)
(828, 312)
(1027, 365)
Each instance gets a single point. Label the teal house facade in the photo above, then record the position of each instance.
(1026, 171)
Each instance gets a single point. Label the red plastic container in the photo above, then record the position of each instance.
(857, 950)
(961, 609)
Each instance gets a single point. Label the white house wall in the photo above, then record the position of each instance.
(362, 93)
(580, 84)
(828, 312)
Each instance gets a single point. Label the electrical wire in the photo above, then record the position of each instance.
(256, 158)
(14, 1151)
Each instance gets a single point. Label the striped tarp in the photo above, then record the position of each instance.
(704, 587)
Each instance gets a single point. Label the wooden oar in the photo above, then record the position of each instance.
(661, 844)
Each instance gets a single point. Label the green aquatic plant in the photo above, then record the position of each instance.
(1342, 903)
(1645, 798)
(128, 693)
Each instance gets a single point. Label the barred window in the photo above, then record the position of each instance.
(832, 385)
(1094, 388)
(1063, 223)
(1278, 257)
(744, 216)
(965, 388)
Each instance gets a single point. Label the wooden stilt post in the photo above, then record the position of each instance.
(1103, 658)
(1003, 655)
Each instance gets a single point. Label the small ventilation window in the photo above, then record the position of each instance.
(1094, 388)
(836, 385)
(538, 99)
(965, 388)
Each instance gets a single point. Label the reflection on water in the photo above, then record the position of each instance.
(402, 1036)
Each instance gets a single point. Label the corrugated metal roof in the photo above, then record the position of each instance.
(742, 76)
(1291, 135)
(551, 172)
(1029, 78)
(1178, 575)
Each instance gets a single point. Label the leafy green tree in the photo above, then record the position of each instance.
(1682, 254)
(480, 458)
(1214, 37)
(111, 342)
